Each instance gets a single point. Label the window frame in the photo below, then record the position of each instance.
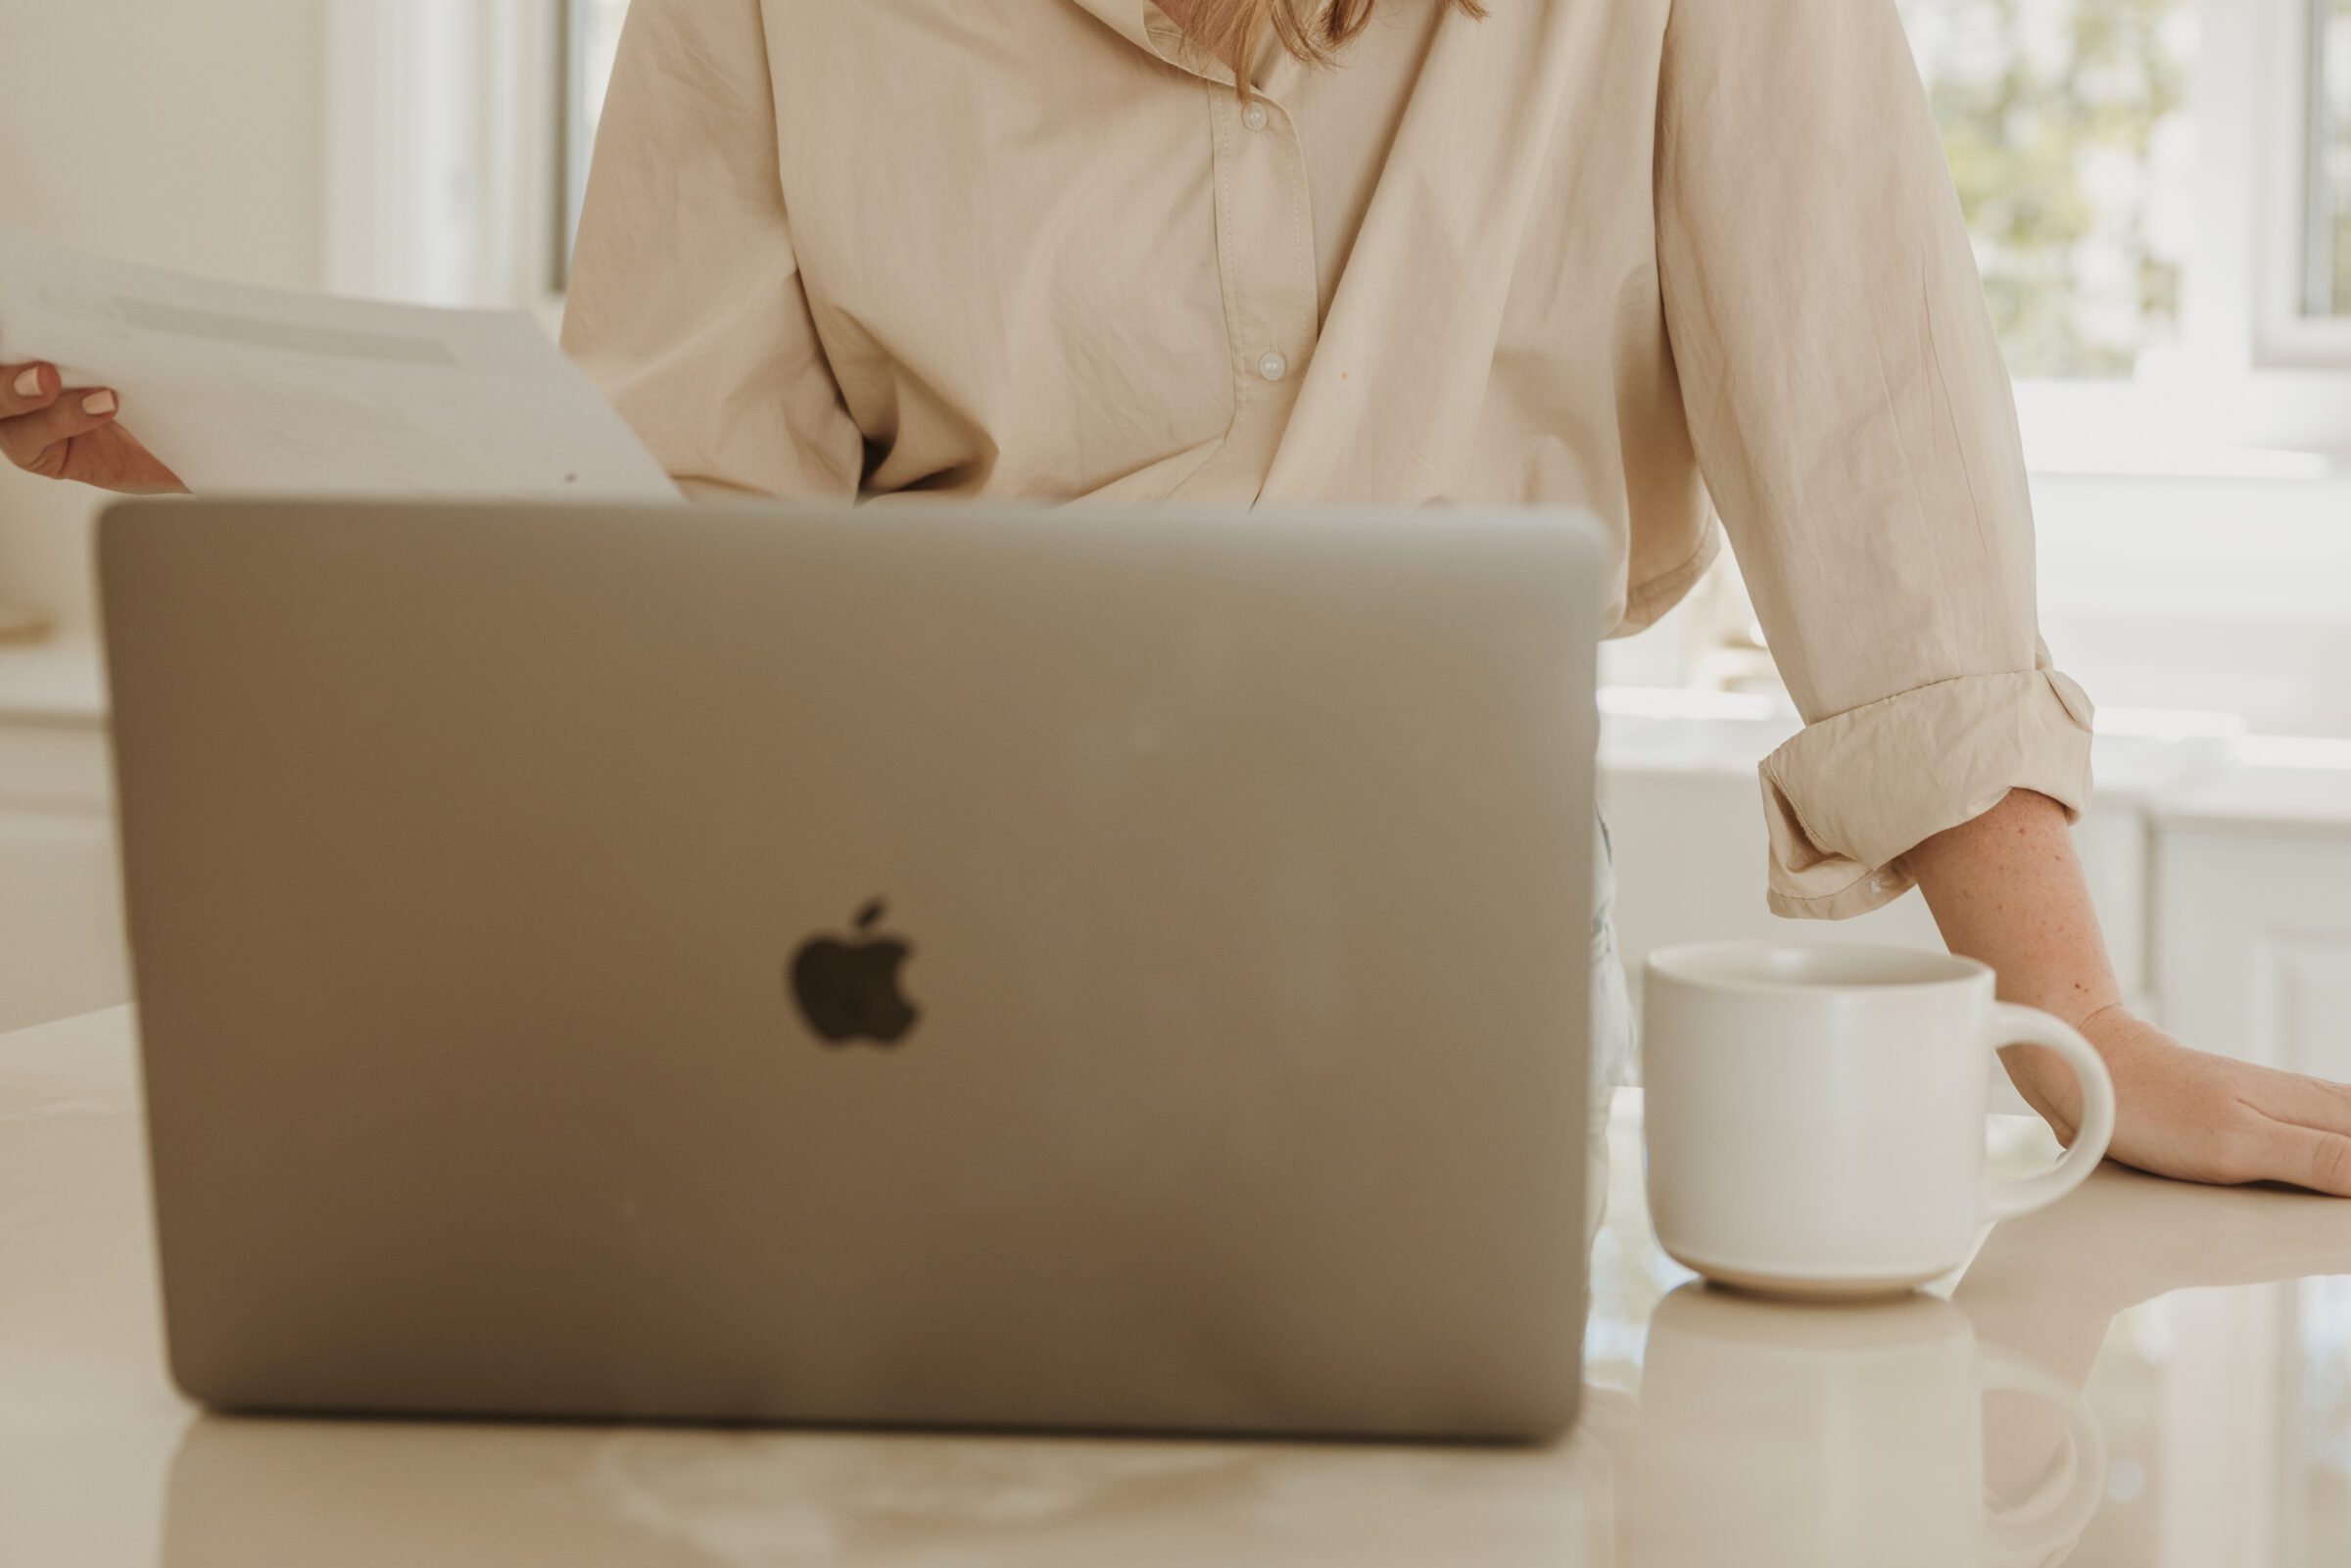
(2285, 334)
(2252, 371)
(575, 146)
(443, 145)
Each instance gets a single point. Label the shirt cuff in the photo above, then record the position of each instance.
(1850, 796)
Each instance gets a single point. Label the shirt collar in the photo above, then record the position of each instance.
(1150, 30)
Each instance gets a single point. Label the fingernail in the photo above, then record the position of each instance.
(98, 404)
(28, 384)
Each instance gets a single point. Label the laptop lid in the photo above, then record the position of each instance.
(973, 967)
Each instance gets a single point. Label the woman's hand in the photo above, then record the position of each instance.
(75, 433)
(2006, 888)
(2197, 1116)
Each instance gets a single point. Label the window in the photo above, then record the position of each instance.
(2067, 128)
(2326, 263)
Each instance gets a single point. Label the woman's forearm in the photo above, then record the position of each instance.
(2008, 890)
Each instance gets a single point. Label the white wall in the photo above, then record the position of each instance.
(179, 132)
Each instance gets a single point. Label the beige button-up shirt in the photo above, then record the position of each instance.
(1648, 257)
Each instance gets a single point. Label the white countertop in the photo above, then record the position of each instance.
(2141, 757)
(2211, 1330)
(2269, 784)
(59, 681)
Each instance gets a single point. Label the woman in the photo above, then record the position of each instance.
(1622, 254)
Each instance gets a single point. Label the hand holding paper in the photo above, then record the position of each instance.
(73, 433)
(258, 392)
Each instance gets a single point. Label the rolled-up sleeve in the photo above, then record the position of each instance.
(687, 306)
(1856, 426)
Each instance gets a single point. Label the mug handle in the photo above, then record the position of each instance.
(2035, 1532)
(2012, 1025)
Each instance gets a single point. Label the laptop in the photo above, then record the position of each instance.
(999, 968)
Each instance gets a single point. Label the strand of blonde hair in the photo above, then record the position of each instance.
(1314, 31)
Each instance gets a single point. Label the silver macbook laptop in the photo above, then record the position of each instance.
(1093, 969)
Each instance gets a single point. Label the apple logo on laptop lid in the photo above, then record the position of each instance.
(848, 989)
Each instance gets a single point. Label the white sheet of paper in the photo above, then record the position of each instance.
(258, 392)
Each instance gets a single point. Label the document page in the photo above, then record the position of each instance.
(258, 392)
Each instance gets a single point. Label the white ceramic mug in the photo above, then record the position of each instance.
(1815, 1113)
(1775, 1436)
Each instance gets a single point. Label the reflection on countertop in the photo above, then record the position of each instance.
(268, 1493)
(2148, 1374)
(2207, 1331)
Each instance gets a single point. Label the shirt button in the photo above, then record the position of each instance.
(1273, 367)
(1254, 116)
